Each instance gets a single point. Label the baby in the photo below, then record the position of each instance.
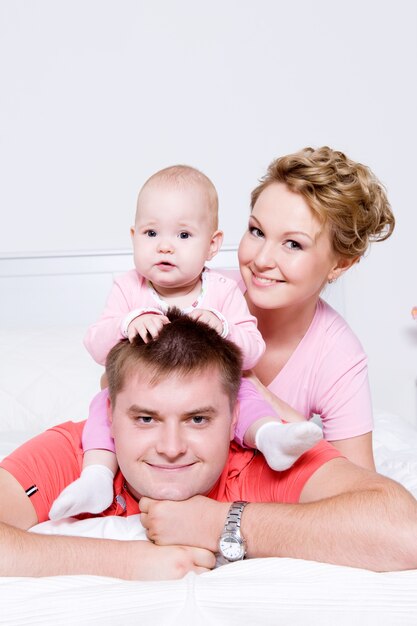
(175, 234)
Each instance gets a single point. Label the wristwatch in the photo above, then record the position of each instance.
(232, 545)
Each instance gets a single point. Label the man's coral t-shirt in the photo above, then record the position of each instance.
(46, 464)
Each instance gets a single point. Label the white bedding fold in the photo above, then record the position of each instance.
(258, 591)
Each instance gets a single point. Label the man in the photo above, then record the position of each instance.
(172, 412)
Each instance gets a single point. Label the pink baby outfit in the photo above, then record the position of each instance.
(131, 292)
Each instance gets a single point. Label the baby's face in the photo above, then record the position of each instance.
(174, 235)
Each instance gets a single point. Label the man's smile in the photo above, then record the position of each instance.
(170, 467)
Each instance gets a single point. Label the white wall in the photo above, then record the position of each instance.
(96, 95)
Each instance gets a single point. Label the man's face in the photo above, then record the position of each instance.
(172, 439)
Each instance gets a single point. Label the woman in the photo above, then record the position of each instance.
(313, 216)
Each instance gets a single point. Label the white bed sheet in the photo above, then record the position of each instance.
(267, 592)
(257, 591)
(47, 377)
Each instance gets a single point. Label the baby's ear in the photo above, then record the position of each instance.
(132, 231)
(215, 244)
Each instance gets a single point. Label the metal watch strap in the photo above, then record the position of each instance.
(234, 515)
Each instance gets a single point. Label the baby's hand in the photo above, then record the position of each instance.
(209, 318)
(145, 325)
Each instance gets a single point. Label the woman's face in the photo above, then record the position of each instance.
(285, 256)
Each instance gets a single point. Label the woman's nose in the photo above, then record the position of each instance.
(265, 257)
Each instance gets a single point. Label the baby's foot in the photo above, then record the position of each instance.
(282, 444)
(91, 493)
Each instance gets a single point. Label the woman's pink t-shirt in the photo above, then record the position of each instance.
(327, 375)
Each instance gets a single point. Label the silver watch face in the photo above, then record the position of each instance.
(232, 547)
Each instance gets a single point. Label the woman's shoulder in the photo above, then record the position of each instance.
(328, 317)
(333, 328)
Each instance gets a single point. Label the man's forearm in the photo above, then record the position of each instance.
(368, 529)
(29, 554)
(373, 528)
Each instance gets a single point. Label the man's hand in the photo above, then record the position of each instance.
(196, 522)
(31, 554)
(169, 562)
(145, 325)
(209, 318)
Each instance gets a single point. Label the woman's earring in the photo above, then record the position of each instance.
(331, 280)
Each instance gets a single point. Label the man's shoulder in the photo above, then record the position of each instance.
(71, 429)
(47, 463)
(239, 457)
(249, 477)
(237, 452)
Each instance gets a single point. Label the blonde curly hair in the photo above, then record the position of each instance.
(340, 192)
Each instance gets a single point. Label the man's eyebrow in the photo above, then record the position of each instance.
(206, 410)
(134, 409)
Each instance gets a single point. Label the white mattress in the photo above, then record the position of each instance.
(47, 377)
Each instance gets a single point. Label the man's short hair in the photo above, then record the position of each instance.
(183, 347)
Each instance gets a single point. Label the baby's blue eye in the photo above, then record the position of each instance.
(151, 233)
(184, 235)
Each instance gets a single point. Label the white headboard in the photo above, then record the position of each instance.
(60, 288)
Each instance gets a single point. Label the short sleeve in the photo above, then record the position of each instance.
(38, 465)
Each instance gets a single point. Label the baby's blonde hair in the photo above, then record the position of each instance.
(342, 193)
(182, 176)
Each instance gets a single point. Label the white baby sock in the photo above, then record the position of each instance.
(282, 444)
(91, 493)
